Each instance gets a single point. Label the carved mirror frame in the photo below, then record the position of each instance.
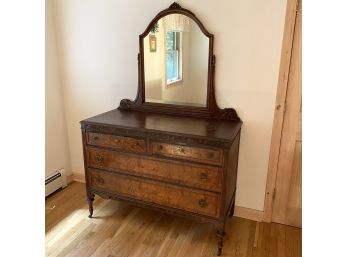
(211, 110)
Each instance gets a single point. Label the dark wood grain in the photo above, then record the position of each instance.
(231, 175)
(199, 154)
(173, 196)
(117, 142)
(168, 170)
(146, 123)
(189, 174)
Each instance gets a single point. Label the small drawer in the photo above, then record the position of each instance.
(195, 175)
(205, 155)
(159, 193)
(117, 142)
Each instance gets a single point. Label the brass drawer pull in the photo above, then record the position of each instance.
(98, 158)
(96, 138)
(202, 203)
(203, 176)
(180, 149)
(100, 180)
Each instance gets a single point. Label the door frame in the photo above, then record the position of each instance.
(280, 107)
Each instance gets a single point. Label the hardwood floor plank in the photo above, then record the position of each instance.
(263, 241)
(183, 234)
(169, 240)
(136, 234)
(149, 243)
(117, 237)
(118, 229)
(170, 245)
(201, 237)
(106, 221)
(209, 245)
(192, 243)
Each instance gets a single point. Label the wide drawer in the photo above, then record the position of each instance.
(159, 193)
(205, 155)
(201, 176)
(117, 142)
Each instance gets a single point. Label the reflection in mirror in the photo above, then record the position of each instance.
(176, 62)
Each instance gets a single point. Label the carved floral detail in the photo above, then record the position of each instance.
(175, 6)
(230, 113)
(157, 136)
(125, 104)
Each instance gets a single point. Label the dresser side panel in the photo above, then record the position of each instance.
(84, 148)
(231, 174)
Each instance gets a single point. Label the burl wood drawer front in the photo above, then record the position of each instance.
(164, 194)
(212, 156)
(117, 142)
(201, 176)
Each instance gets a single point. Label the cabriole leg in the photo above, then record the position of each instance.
(90, 199)
(220, 237)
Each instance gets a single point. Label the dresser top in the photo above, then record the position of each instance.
(201, 127)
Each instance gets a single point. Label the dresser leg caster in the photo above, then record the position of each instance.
(90, 200)
(220, 235)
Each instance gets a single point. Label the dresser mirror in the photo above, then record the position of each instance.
(176, 60)
(176, 67)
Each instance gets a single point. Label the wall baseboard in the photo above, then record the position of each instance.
(241, 212)
(246, 213)
(70, 178)
(79, 177)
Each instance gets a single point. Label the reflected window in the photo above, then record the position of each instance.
(173, 56)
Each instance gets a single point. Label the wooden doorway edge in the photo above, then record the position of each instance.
(284, 67)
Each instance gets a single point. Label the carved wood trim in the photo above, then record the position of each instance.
(175, 6)
(158, 136)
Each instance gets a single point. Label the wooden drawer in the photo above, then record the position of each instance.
(164, 194)
(206, 155)
(201, 176)
(117, 142)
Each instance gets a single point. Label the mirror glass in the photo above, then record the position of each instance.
(176, 62)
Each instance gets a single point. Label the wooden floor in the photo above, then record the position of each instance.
(120, 230)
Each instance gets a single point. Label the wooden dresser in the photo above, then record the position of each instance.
(181, 165)
(171, 148)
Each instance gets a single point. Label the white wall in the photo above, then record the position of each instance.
(98, 44)
(57, 150)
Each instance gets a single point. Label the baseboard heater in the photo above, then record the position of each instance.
(55, 181)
